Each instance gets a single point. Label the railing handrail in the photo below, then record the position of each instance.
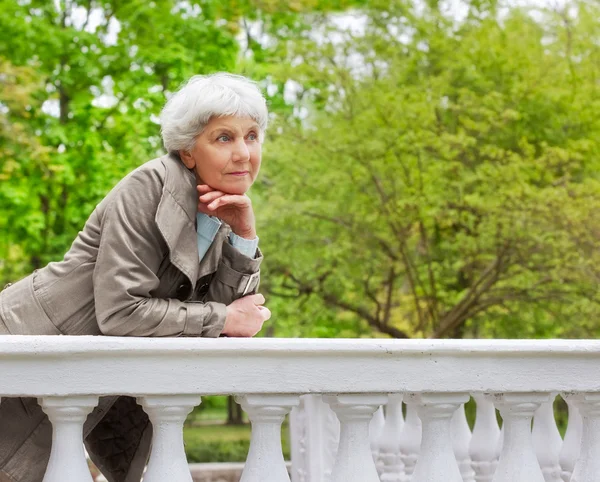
(15, 344)
(81, 365)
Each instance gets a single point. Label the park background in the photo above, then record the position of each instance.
(431, 169)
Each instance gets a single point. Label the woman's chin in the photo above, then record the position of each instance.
(238, 188)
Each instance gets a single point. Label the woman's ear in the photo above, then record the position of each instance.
(187, 159)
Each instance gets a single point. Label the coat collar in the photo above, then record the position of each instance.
(176, 220)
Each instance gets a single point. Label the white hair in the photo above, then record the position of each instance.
(203, 97)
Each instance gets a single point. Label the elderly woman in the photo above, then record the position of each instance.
(170, 251)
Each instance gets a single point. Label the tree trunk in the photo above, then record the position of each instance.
(235, 415)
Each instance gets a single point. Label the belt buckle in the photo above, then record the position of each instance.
(251, 279)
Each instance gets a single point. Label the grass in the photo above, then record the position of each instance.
(198, 434)
(214, 442)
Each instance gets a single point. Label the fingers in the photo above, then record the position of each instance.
(204, 188)
(229, 199)
(210, 196)
(264, 312)
(257, 299)
(204, 210)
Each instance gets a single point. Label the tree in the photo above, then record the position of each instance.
(18, 87)
(104, 69)
(445, 180)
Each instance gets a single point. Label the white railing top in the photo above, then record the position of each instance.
(82, 365)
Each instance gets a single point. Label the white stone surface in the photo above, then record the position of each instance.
(354, 461)
(485, 440)
(587, 467)
(392, 468)
(410, 441)
(571, 447)
(67, 459)
(174, 373)
(83, 365)
(167, 457)
(265, 459)
(437, 462)
(461, 438)
(315, 434)
(547, 441)
(518, 462)
(375, 431)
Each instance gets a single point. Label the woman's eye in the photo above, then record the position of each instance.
(252, 136)
(223, 138)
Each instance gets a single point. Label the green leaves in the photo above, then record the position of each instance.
(429, 198)
(97, 73)
(422, 176)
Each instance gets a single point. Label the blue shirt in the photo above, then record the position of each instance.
(207, 227)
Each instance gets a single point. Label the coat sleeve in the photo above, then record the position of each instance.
(131, 249)
(237, 275)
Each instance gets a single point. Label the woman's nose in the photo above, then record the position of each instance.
(241, 152)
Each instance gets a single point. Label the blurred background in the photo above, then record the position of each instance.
(431, 169)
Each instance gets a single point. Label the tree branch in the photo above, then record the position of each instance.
(459, 313)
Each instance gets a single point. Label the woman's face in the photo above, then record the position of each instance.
(227, 154)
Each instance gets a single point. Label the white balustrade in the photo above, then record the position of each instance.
(547, 441)
(392, 468)
(518, 462)
(410, 441)
(587, 467)
(315, 434)
(265, 461)
(168, 377)
(67, 415)
(437, 462)
(461, 438)
(354, 461)
(571, 446)
(500, 443)
(484, 446)
(375, 431)
(167, 458)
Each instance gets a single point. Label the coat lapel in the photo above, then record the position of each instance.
(176, 217)
(176, 220)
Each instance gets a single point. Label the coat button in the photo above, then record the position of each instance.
(183, 291)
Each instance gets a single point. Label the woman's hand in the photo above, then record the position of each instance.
(236, 210)
(245, 316)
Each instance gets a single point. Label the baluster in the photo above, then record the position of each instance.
(461, 438)
(500, 443)
(67, 459)
(392, 469)
(265, 461)
(354, 461)
(437, 462)
(375, 431)
(485, 439)
(315, 436)
(167, 457)
(572, 443)
(587, 467)
(518, 462)
(410, 441)
(547, 441)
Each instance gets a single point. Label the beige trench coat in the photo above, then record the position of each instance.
(132, 271)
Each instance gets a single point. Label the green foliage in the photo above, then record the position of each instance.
(224, 443)
(104, 87)
(447, 183)
(430, 177)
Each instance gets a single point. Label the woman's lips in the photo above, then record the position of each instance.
(238, 173)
